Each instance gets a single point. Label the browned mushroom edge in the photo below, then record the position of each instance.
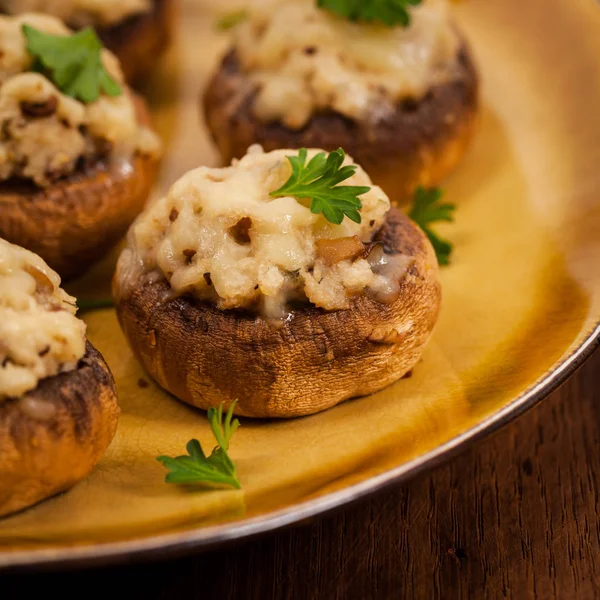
(313, 361)
(52, 437)
(76, 221)
(421, 143)
(139, 40)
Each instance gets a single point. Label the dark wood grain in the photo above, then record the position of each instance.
(514, 516)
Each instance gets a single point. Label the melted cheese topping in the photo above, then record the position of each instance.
(79, 13)
(39, 333)
(45, 134)
(220, 236)
(303, 59)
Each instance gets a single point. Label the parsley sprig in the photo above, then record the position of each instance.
(72, 62)
(319, 179)
(196, 467)
(388, 12)
(428, 209)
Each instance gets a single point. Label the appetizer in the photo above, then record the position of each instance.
(271, 283)
(77, 159)
(393, 84)
(58, 403)
(137, 31)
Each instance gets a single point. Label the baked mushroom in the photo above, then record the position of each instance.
(237, 287)
(77, 158)
(137, 31)
(402, 100)
(58, 403)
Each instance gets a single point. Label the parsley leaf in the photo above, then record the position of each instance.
(197, 467)
(427, 209)
(72, 62)
(388, 12)
(318, 180)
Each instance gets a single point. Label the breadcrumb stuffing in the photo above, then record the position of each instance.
(40, 335)
(302, 60)
(194, 239)
(78, 13)
(46, 135)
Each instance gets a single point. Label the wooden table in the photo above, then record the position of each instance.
(516, 515)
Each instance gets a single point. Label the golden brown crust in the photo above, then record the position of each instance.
(141, 39)
(419, 145)
(316, 360)
(76, 221)
(43, 455)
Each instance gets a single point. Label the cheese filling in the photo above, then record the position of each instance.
(39, 333)
(79, 13)
(301, 59)
(46, 135)
(219, 236)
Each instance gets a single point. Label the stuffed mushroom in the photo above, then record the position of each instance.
(58, 403)
(137, 31)
(238, 286)
(401, 97)
(77, 157)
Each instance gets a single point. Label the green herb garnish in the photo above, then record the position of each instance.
(72, 62)
(388, 12)
(89, 305)
(197, 467)
(319, 179)
(428, 209)
(230, 20)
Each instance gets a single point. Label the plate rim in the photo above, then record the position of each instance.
(170, 545)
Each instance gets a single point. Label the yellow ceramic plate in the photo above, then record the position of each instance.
(521, 308)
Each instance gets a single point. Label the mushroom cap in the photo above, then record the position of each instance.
(313, 361)
(419, 144)
(139, 40)
(76, 221)
(52, 437)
